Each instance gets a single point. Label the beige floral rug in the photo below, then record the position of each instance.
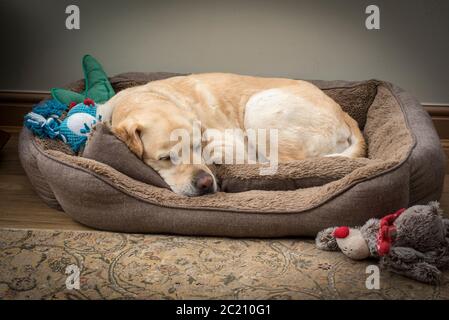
(33, 265)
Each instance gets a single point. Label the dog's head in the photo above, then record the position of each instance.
(150, 136)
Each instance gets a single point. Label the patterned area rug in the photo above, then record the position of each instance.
(33, 265)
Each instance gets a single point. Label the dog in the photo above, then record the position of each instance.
(307, 121)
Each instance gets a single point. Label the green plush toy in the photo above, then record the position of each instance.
(97, 85)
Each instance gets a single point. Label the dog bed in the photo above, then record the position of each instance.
(404, 166)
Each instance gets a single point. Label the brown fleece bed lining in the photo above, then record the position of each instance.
(371, 103)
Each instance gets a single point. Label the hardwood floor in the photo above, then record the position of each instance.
(20, 207)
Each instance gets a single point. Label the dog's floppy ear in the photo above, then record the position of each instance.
(129, 133)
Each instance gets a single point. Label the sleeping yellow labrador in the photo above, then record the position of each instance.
(306, 122)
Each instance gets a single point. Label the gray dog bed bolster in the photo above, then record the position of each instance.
(405, 166)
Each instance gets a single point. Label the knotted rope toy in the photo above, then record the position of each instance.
(73, 130)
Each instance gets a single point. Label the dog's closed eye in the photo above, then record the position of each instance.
(164, 157)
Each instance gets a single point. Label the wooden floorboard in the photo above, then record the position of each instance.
(20, 207)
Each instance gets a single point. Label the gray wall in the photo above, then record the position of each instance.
(301, 39)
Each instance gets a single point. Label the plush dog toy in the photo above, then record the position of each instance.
(413, 242)
(96, 85)
(78, 123)
(45, 121)
(49, 119)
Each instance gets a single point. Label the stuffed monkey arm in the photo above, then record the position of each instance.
(325, 240)
(410, 263)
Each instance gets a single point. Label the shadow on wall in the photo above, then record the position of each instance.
(321, 39)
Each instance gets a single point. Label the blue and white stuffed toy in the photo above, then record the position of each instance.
(78, 124)
(45, 122)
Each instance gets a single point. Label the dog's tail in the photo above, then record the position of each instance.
(357, 145)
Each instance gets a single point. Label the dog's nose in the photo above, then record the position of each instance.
(204, 182)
